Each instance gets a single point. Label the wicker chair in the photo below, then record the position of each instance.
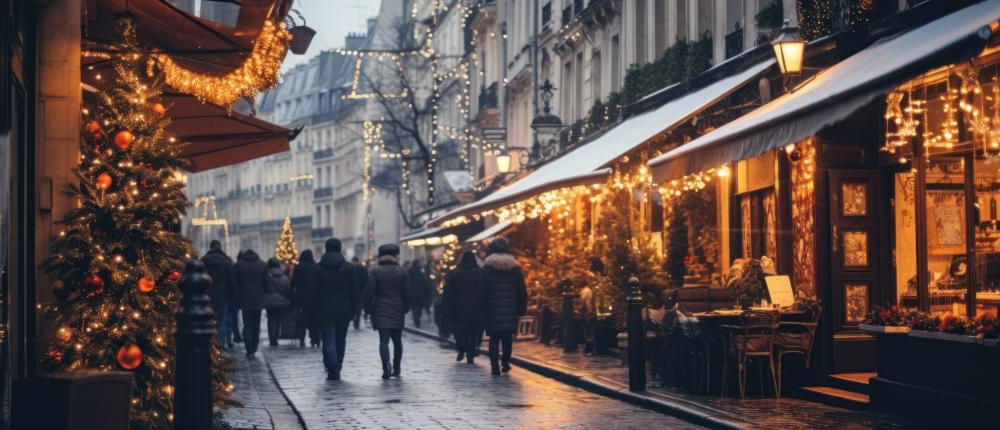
(753, 338)
(796, 338)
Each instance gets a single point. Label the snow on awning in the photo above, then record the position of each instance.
(835, 93)
(490, 232)
(586, 165)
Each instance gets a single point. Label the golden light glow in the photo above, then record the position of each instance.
(259, 72)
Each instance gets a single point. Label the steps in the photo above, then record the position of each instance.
(847, 390)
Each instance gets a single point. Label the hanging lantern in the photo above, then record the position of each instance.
(789, 49)
(302, 35)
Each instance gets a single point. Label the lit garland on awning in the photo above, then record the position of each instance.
(258, 73)
(432, 241)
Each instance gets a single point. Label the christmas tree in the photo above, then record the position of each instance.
(286, 250)
(118, 259)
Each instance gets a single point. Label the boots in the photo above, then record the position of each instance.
(461, 355)
(396, 371)
(333, 374)
(386, 372)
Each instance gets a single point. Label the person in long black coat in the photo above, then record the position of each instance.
(460, 298)
(387, 301)
(420, 291)
(250, 273)
(302, 297)
(277, 289)
(503, 299)
(337, 296)
(219, 267)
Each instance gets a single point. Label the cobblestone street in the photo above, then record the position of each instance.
(434, 392)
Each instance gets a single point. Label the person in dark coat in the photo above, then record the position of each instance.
(337, 296)
(503, 299)
(420, 291)
(460, 296)
(302, 297)
(250, 273)
(219, 267)
(387, 301)
(276, 293)
(361, 272)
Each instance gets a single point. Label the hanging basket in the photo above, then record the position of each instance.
(301, 37)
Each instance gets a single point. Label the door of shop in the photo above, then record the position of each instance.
(854, 266)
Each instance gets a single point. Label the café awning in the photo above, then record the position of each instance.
(588, 163)
(837, 92)
(490, 232)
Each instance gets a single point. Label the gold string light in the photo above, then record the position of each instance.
(259, 72)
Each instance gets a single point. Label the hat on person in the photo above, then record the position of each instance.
(215, 244)
(333, 245)
(388, 249)
(498, 246)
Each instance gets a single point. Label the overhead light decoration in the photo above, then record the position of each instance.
(258, 73)
(789, 49)
(503, 162)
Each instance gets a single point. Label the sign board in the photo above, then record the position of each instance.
(494, 134)
(779, 288)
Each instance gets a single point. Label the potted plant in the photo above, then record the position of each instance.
(749, 287)
(987, 329)
(887, 319)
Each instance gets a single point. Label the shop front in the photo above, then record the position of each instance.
(884, 208)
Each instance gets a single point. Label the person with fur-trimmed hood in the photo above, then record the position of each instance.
(503, 299)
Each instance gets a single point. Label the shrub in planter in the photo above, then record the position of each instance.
(924, 322)
(987, 326)
(954, 324)
(885, 316)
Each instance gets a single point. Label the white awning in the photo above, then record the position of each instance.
(586, 165)
(490, 232)
(836, 93)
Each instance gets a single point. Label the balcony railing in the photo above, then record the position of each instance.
(734, 42)
(323, 192)
(322, 232)
(488, 97)
(323, 153)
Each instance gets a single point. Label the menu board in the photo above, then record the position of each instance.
(779, 288)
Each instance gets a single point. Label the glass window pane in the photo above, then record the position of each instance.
(946, 232)
(904, 209)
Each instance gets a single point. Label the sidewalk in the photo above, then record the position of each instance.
(607, 376)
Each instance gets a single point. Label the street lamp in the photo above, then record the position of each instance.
(789, 49)
(547, 126)
(503, 162)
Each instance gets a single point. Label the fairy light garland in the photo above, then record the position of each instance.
(258, 73)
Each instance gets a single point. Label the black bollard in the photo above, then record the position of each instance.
(568, 325)
(193, 374)
(636, 338)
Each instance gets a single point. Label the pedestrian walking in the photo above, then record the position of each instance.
(361, 273)
(503, 299)
(219, 267)
(250, 274)
(338, 296)
(387, 302)
(276, 288)
(460, 296)
(420, 291)
(303, 298)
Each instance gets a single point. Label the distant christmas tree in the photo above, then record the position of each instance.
(286, 250)
(118, 259)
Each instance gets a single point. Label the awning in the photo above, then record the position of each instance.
(434, 236)
(586, 165)
(490, 232)
(835, 93)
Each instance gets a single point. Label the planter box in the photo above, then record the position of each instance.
(886, 329)
(923, 374)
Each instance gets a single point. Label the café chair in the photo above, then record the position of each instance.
(753, 338)
(694, 347)
(796, 338)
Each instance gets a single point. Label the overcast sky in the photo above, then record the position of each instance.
(332, 20)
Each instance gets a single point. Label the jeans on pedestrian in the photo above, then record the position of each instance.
(273, 325)
(396, 335)
(234, 321)
(495, 340)
(334, 344)
(251, 329)
(222, 321)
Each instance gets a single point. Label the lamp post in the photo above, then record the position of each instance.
(789, 49)
(546, 126)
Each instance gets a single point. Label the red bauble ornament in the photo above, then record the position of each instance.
(129, 356)
(158, 109)
(123, 140)
(93, 284)
(146, 285)
(52, 358)
(103, 181)
(93, 127)
(796, 155)
(174, 276)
